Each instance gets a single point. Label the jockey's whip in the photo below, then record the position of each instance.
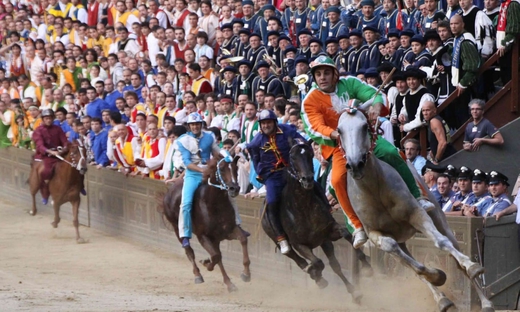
(387, 80)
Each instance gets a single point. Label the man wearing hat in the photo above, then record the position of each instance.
(230, 40)
(316, 47)
(498, 188)
(230, 82)
(370, 18)
(372, 77)
(410, 115)
(395, 102)
(332, 48)
(479, 199)
(421, 57)
(383, 71)
(47, 138)
(304, 38)
(257, 49)
(437, 81)
(266, 81)
(395, 44)
(288, 61)
(301, 67)
(244, 84)
(456, 202)
(404, 37)
(243, 45)
(321, 121)
(346, 50)
(249, 18)
(261, 26)
(373, 58)
(274, 49)
(335, 26)
(358, 55)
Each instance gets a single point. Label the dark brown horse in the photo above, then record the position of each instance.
(306, 218)
(213, 217)
(65, 184)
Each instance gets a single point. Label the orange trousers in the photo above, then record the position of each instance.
(338, 181)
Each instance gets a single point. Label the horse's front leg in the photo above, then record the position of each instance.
(240, 235)
(316, 267)
(56, 207)
(75, 220)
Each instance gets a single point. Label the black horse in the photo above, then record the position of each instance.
(306, 218)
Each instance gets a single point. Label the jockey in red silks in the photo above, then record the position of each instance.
(47, 138)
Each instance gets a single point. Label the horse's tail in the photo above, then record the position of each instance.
(160, 199)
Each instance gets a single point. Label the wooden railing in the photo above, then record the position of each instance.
(504, 103)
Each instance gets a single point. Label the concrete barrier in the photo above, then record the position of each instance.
(126, 207)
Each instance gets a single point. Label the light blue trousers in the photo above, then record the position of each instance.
(192, 180)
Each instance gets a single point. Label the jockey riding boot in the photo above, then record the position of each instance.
(276, 225)
(238, 220)
(360, 238)
(83, 192)
(185, 242)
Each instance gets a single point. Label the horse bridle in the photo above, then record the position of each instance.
(371, 129)
(73, 164)
(218, 175)
(291, 170)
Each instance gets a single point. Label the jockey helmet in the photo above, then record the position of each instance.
(320, 61)
(194, 118)
(48, 113)
(267, 115)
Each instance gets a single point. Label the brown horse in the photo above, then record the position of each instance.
(213, 217)
(65, 185)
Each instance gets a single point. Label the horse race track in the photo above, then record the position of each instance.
(42, 269)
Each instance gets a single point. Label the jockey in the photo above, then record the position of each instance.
(47, 138)
(196, 148)
(269, 152)
(321, 120)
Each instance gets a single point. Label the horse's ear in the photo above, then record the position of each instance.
(365, 106)
(291, 141)
(235, 160)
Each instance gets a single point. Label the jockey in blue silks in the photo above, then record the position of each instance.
(269, 152)
(196, 148)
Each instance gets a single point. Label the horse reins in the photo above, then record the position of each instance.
(221, 185)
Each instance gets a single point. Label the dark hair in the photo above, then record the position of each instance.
(62, 110)
(194, 66)
(96, 119)
(228, 142)
(177, 131)
(216, 132)
(115, 117)
(235, 132)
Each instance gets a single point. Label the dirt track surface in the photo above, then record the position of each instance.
(42, 269)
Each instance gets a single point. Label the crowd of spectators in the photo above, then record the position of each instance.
(123, 75)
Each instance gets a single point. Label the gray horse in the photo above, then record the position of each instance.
(390, 214)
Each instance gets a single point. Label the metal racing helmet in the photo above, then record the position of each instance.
(194, 118)
(267, 115)
(48, 113)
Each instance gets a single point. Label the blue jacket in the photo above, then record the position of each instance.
(111, 98)
(99, 147)
(270, 154)
(64, 126)
(95, 108)
(137, 91)
(206, 145)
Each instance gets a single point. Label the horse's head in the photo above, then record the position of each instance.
(302, 168)
(77, 156)
(355, 135)
(223, 172)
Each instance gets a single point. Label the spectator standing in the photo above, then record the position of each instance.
(480, 130)
(508, 28)
(99, 139)
(438, 133)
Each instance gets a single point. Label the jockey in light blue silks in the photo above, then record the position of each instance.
(196, 148)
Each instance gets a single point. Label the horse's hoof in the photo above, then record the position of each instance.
(207, 263)
(488, 309)
(367, 271)
(54, 224)
(445, 304)
(440, 278)
(357, 296)
(322, 283)
(199, 280)
(245, 278)
(475, 270)
(32, 212)
(81, 240)
(232, 288)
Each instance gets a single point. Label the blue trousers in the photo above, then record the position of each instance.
(274, 186)
(192, 180)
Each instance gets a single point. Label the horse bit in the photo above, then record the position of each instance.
(73, 164)
(220, 182)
